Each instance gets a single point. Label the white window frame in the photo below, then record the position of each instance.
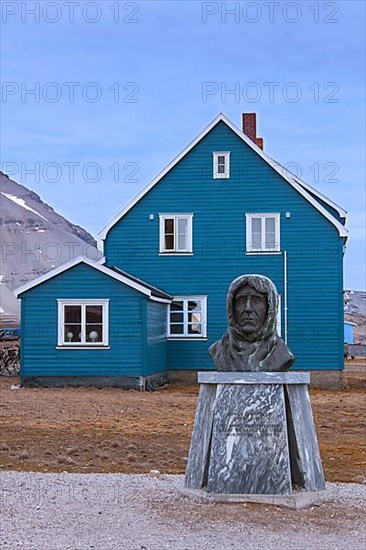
(176, 217)
(249, 239)
(186, 335)
(279, 317)
(61, 342)
(216, 174)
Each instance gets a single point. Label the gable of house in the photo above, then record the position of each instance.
(218, 205)
(324, 205)
(312, 243)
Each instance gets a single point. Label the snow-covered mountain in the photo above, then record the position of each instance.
(355, 302)
(34, 239)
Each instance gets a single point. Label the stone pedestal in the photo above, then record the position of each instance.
(254, 434)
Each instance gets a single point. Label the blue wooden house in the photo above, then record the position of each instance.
(150, 309)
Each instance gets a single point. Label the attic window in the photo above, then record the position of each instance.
(221, 165)
(83, 323)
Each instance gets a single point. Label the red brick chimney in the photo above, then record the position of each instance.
(250, 128)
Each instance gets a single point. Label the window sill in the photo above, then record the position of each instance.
(189, 338)
(83, 347)
(263, 252)
(176, 254)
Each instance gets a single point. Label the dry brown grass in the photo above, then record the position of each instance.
(111, 430)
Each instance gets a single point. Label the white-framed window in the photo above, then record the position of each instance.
(83, 323)
(188, 317)
(263, 232)
(221, 164)
(175, 233)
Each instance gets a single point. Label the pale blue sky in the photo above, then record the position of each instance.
(161, 54)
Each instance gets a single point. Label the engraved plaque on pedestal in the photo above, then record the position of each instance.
(249, 451)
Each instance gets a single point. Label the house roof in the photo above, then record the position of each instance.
(342, 213)
(148, 290)
(300, 186)
(154, 290)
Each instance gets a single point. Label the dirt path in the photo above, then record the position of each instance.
(110, 430)
(138, 512)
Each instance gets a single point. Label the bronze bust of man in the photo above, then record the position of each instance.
(251, 342)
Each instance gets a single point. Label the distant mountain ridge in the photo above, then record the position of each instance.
(34, 239)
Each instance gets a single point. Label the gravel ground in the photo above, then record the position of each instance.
(136, 512)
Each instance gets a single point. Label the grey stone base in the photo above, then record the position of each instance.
(155, 381)
(296, 501)
(142, 383)
(330, 379)
(254, 434)
(188, 377)
(323, 379)
(327, 379)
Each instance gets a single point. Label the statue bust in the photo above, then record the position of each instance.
(251, 342)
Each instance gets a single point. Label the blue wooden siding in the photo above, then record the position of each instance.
(156, 337)
(39, 356)
(315, 313)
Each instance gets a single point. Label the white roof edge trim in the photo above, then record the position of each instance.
(343, 232)
(221, 117)
(161, 300)
(64, 267)
(103, 233)
(341, 211)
